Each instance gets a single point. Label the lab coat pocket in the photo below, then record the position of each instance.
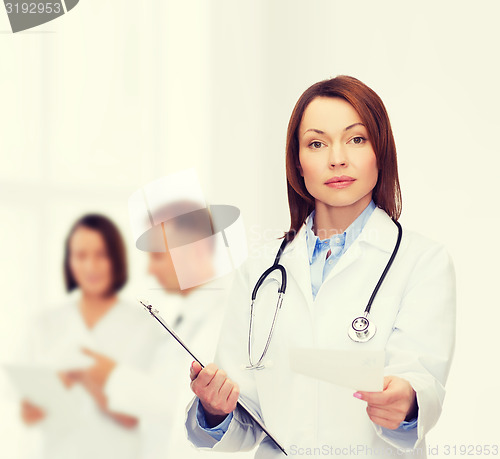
(383, 314)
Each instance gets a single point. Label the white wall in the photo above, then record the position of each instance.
(115, 94)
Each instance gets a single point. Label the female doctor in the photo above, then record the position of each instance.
(344, 200)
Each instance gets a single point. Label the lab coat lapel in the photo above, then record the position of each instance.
(296, 262)
(350, 256)
(379, 231)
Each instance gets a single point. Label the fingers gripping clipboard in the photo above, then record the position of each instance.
(242, 405)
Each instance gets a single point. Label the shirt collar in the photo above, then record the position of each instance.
(349, 235)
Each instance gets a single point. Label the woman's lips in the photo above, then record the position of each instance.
(339, 185)
(94, 280)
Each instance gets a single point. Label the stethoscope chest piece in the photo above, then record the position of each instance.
(361, 330)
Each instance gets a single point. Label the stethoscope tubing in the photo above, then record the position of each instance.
(281, 291)
(386, 269)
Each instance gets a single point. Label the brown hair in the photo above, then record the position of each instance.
(114, 246)
(386, 193)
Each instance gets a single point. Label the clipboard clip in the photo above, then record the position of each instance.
(148, 307)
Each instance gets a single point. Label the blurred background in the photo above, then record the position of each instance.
(115, 94)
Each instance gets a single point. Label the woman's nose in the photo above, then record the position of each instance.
(337, 157)
(92, 264)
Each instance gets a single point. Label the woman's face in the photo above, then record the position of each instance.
(89, 262)
(333, 142)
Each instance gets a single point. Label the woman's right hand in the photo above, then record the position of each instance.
(217, 393)
(31, 414)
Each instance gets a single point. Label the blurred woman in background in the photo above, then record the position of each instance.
(93, 322)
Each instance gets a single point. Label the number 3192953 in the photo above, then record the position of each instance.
(33, 8)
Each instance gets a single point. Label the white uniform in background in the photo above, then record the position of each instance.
(414, 312)
(159, 396)
(125, 334)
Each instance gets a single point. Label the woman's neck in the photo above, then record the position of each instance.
(329, 220)
(94, 307)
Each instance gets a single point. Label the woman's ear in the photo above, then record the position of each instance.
(299, 167)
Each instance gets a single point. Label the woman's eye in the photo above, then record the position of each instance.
(358, 140)
(316, 144)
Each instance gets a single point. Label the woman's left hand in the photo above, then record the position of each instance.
(396, 403)
(94, 379)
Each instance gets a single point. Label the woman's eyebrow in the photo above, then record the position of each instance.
(352, 125)
(318, 131)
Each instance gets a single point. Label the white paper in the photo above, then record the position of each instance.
(357, 370)
(41, 386)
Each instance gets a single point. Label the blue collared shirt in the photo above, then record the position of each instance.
(321, 266)
(317, 249)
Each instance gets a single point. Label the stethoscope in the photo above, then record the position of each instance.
(360, 330)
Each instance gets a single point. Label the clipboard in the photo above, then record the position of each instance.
(243, 406)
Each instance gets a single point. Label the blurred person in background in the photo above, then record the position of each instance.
(94, 320)
(159, 395)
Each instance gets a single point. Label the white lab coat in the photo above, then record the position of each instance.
(414, 312)
(159, 394)
(126, 335)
